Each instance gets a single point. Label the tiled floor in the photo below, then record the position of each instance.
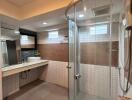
(42, 91)
(124, 98)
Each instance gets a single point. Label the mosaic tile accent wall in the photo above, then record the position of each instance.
(26, 54)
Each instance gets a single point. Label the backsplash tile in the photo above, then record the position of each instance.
(26, 54)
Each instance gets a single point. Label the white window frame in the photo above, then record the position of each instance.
(53, 35)
(96, 30)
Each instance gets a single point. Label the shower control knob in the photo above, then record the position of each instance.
(77, 76)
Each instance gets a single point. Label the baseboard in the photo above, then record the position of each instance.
(14, 91)
(5, 98)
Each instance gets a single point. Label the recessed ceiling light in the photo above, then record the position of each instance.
(81, 15)
(44, 23)
(16, 32)
(85, 8)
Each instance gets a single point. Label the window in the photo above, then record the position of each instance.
(53, 35)
(98, 29)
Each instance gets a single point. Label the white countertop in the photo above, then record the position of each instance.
(10, 70)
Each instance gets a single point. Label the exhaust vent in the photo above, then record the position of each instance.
(101, 10)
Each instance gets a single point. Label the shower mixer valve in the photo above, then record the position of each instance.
(77, 76)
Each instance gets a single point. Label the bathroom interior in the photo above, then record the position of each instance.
(65, 49)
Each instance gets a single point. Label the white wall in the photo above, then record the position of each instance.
(56, 73)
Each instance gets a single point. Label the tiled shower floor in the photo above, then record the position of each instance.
(83, 96)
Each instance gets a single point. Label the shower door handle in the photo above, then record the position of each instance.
(77, 76)
(69, 67)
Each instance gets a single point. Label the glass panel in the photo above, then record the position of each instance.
(1, 63)
(71, 60)
(74, 62)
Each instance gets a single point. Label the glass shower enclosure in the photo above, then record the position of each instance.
(93, 50)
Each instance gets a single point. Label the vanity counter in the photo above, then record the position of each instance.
(14, 69)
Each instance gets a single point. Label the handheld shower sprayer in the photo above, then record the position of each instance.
(127, 66)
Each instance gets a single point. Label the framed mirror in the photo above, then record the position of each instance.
(28, 40)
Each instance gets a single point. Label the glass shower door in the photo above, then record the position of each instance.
(71, 61)
(73, 67)
(93, 52)
(89, 70)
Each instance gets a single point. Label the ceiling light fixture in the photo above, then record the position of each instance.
(81, 16)
(44, 23)
(17, 32)
(85, 8)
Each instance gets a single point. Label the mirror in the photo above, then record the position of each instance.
(10, 45)
(27, 42)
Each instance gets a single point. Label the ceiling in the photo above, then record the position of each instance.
(20, 2)
(53, 19)
(23, 9)
(56, 19)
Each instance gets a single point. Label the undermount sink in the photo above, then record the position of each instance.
(32, 59)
